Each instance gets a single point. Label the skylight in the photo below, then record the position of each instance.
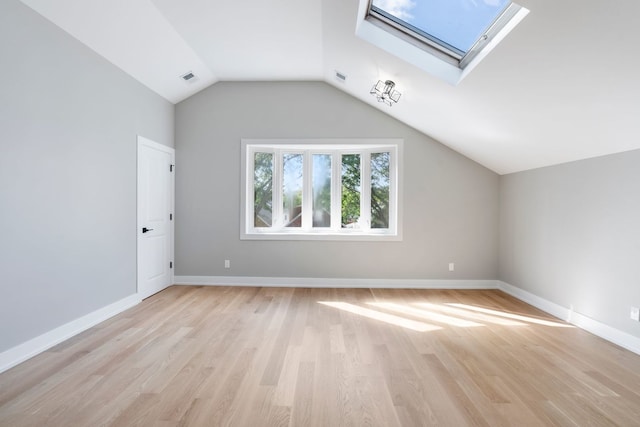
(457, 32)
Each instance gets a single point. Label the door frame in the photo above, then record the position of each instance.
(145, 142)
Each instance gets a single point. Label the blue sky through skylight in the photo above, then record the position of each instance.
(458, 23)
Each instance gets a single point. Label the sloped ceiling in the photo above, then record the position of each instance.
(562, 86)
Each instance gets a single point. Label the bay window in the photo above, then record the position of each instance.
(321, 189)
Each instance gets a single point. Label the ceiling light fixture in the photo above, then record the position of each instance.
(385, 92)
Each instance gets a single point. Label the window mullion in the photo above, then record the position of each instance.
(365, 190)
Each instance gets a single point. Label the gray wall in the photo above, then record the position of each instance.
(570, 234)
(450, 202)
(68, 126)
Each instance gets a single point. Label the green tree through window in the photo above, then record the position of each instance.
(380, 190)
(263, 190)
(350, 190)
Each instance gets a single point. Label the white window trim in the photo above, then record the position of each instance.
(321, 146)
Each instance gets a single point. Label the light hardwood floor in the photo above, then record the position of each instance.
(205, 356)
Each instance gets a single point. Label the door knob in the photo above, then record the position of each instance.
(145, 229)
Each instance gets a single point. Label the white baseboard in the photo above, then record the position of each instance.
(547, 306)
(307, 282)
(37, 345)
(616, 336)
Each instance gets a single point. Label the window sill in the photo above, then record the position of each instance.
(355, 236)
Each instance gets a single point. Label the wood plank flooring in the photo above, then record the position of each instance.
(208, 356)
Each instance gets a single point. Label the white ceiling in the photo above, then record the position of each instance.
(562, 86)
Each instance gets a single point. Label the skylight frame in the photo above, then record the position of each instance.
(415, 50)
(411, 33)
(434, 45)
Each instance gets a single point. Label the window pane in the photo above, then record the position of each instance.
(262, 189)
(350, 190)
(321, 190)
(380, 190)
(456, 24)
(292, 190)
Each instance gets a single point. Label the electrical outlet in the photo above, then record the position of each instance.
(635, 314)
(227, 263)
(452, 266)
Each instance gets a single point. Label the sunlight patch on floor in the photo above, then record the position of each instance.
(470, 314)
(446, 314)
(383, 317)
(428, 315)
(511, 315)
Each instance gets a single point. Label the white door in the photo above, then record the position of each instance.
(155, 216)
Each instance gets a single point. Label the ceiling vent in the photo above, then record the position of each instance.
(189, 77)
(340, 76)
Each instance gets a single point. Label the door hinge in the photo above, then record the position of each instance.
(170, 264)
(171, 168)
